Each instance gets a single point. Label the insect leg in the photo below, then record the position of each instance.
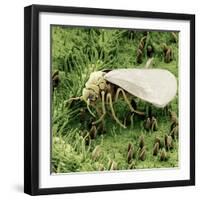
(127, 101)
(131, 118)
(103, 109)
(117, 94)
(109, 97)
(88, 107)
(100, 127)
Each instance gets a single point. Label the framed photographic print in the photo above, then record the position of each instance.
(109, 99)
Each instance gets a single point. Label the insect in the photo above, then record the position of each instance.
(156, 86)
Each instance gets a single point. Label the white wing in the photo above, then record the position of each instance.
(156, 86)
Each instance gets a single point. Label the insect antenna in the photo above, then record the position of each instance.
(66, 102)
(73, 99)
(82, 99)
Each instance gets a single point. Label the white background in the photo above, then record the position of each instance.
(11, 101)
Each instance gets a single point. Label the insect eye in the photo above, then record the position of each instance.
(91, 97)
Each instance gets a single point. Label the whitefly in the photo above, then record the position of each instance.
(156, 86)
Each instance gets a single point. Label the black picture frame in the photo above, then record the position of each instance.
(31, 98)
